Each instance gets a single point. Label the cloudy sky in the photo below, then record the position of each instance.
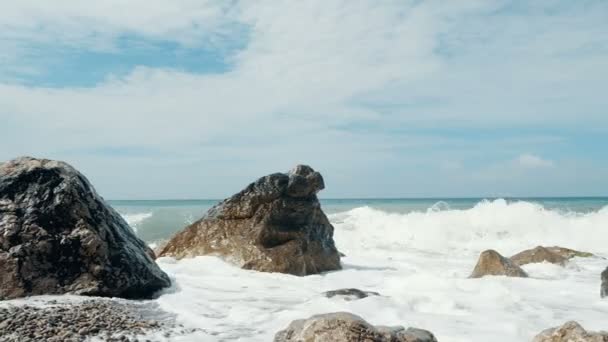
(195, 98)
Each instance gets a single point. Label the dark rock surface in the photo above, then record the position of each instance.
(350, 294)
(58, 236)
(570, 332)
(492, 263)
(604, 286)
(70, 322)
(346, 327)
(537, 255)
(274, 225)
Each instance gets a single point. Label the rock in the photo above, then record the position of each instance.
(492, 263)
(346, 327)
(604, 286)
(350, 294)
(57, 235)
(570, 332)
(274, 225)
(569, 253)
(538, 255)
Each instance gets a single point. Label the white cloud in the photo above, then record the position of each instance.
(308, 67)
(533, 162)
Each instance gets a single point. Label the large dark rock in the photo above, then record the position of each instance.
(492, 263)
(570, 332)
(58, 236)
(274, 225)
(604, 286)
(346, 327)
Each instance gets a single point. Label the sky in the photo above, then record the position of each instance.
(183, 99)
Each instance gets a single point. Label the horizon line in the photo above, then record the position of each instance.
(390, 198)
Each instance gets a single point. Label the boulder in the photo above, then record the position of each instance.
(274, 225)
(569, 253)
(538, 255)
(604, 286)
(346, 327)
(350, 294)
(570, 332)
(57, 235)
(492, 263)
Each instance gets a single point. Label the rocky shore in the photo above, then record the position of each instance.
(105, 319)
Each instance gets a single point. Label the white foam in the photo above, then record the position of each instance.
(419, 262)
(135, 219)
(507, 227)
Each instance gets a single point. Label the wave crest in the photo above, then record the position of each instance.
(506, 226)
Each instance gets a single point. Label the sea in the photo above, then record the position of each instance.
(417, 253)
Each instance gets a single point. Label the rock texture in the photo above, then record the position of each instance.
(346, 327)
(350, 294)
(569, 253)
(274, 225)
(105, 320)
(58, 236)
(570, 332)
(604, 286)
(492, 263)
(537, 255)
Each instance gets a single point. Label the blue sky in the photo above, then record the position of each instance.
(194, 99)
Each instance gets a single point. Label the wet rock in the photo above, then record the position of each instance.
(492, 263)
(346, 327)
(569, 253)
(350, 294)
(274, 225)
(538, 255)
(570, 332)
(604, 286)
(57, 235)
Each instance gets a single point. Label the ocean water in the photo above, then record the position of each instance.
(417, 253)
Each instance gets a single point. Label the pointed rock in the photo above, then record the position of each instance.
(492, 263)
(57, 235)
(274, 225)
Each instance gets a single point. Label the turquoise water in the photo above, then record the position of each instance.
(156, 220)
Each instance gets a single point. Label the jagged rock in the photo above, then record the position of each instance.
(492, 263)
(538, 255)
(350, 294)
(346, 327)
(58, 236)
(604, 287)
(569, 253)
(274, 225)
(570, 332)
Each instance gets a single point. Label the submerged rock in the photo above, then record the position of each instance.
(58, 236)
(604, 286)
(570, 332)
(346, 327)
(492, 263)
(350, 294)
(274, 225)
(569, 253)
(538, 255)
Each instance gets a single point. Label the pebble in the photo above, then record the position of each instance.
(76, 322)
